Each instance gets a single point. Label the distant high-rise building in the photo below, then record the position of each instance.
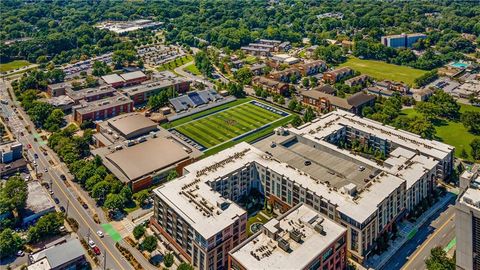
(402, 40)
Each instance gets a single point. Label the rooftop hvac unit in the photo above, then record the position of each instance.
(319, 228)
(283, 244)
(296, 235)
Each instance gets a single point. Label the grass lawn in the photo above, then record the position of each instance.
(254, 219)
(451, 132)
(382, 70)
(192, 69)
(13, 65)
(219, 127)
(251, 59)
(175, 63)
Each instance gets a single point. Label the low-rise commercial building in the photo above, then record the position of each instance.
(125, 79)
(68, 255)
(102, 109)
(10, 151)
(90, 94)
(160, 81)
(299, 239)
(38, 203)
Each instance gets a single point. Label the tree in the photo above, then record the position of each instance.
(296, 120)
(305, 82)
(202, 62)
(235, 89)
(138, 231)
(142, 196)
(47, 225)
(475, 144)
(54, 120)
(292, 104)
(309, 115)
(464, 154)
(168, 260)
(438, 260)
(172, 174)
(471, 120)
(243, 75)
(126, 194)
(100, 190)
(185, 266)
(10, 242)
(149, 243)
(114, 201)
(14, 193)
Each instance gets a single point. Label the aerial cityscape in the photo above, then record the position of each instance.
(240, 135)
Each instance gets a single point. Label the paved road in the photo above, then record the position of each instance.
(439, 231)
(192, 77)
(65, 194)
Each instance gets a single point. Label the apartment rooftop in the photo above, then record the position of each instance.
(471, 198)
(332, 122)
(291, 241)
(89, 92)
(112, 79)
(133, 75)
(159, 83)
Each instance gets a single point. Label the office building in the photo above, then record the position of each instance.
(68, 255)
(299, 239)
(102, 109)
(10, 151)
(402, 40)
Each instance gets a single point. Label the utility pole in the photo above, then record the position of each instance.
(66, 210)
(105, 259)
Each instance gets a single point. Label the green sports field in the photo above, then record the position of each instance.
(384, 71)
(220, 127)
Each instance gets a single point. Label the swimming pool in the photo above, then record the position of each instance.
(459, 65)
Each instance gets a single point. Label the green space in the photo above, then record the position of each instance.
(384, 71)
(452, 132)
(108, 229)
(13, 65)
(220, 127)
(175, 63)
(192, 69)
(251, 59)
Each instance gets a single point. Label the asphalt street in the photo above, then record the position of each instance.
(67, 197)
(438, 231)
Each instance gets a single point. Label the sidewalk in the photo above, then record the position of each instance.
(406, 231)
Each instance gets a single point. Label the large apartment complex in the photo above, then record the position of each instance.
(312, 165)
(402, 40)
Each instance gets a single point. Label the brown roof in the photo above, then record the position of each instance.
(335, 101)
(326, 88)
(359, 99)
(340, 70)
(147, 157)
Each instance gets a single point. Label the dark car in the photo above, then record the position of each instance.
(307, 162)
(62, 176)
(57, 201)
(35, 155)
(85, 205)
(62, 208)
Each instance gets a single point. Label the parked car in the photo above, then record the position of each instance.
(100, 233)
(96, 250)
(62, 208)
(20, 253)
(56, 200)
(85, 206)
(91, 243)
(62, 176)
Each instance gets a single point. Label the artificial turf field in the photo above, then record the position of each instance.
(225, 125)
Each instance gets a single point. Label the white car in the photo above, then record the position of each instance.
(100, 233)
(91, 243)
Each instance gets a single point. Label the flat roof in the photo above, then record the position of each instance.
(147, 157)
(129, 123)
(37, 201)
(112, 78)
(102, 104)
(88, 92)
(133, 75)
(262, 251)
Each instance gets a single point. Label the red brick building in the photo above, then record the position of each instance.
(102, 109)
(337, 74)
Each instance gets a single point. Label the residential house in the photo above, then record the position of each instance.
(337, 74)
(361, 79)
(272, 86)
(312, 68)
(325, 102)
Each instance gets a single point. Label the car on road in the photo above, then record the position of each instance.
(51, 192)
(85, 206)
(46, 170)
(62, 176)
(35, 155)
(91, 243)
(29, 146)
(56, 200)
(100, 233)
(20, 253)
(62, 208)
(96, 250)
